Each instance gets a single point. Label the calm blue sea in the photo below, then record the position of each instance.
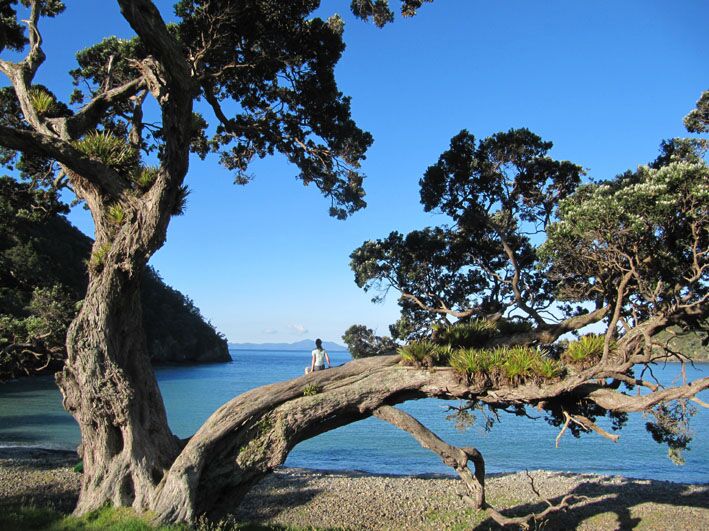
(31, 415)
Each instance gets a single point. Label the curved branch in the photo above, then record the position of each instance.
(615, 401)
(458, 458)
(21, 74)
(610, 333)
(90, 115)
(253, 433)
(442, 311)
(515, 280)
(105, 178)
(454, 457)
(551, 332)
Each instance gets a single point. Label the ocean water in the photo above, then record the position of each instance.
(31, 414)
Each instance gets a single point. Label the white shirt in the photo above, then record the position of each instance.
(319, 357)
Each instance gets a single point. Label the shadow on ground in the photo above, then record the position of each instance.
(620, 504)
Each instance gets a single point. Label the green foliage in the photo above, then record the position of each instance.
(425, 353)
(181, 201)
(145, 177)
(379, 11)
(649, 220)
(12, 34)
(108, 149)
(588, 348)
(697, 121)
(311, 390)
(98, 256)
(520, 362)
(508, 327)
(473, 361)
(473, 333)
(361, 342)
(42, 101)
(116, 214)
(548, 368)
(494, 190)
(515, 364)
(671, 427)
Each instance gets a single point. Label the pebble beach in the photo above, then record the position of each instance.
(353, 500)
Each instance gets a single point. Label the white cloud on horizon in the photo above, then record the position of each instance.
(270, 331)
(298, 329)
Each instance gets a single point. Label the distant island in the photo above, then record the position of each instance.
(305, 344)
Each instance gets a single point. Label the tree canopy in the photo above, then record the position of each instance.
(498, 193)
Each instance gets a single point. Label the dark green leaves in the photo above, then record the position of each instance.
(12, 33)
(267, 71)
(697, 121)
(507, 173)
(497, 191)
(379, 11)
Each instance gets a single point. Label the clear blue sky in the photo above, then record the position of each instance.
(604, 80)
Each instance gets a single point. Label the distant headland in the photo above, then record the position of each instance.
(305, 344)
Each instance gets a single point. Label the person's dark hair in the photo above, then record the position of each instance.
(318, 344)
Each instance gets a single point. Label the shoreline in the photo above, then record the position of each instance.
(360, 500)
(37, 452)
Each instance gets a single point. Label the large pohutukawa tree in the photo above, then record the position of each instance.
(264, 71)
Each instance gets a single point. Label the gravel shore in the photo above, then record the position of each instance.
(353, 500)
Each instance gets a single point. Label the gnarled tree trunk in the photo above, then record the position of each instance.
(110, 388)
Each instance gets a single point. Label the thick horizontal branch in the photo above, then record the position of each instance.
(253, 433)
(551, 332)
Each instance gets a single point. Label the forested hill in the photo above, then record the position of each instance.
(43, 279)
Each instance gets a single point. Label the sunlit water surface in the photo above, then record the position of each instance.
(31, 414)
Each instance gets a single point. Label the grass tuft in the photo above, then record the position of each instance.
(98, 257)
(425, 352)
(145, 177)
(311, 390)
(42, 101)
(116, 214)
(514, 364)
(107, 148)
(585, 349)
(470, 334)
(181, 201)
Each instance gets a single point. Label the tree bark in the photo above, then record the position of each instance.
(252, 434)
(109, 387)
